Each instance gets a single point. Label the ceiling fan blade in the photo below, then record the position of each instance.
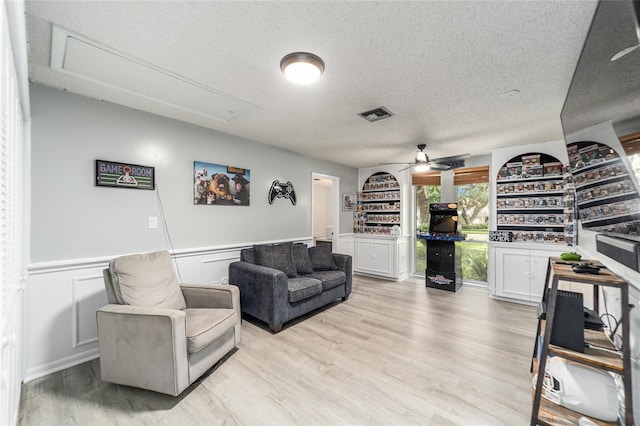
(406, 168)
(452, 158)
(436, 166)
(400, 162)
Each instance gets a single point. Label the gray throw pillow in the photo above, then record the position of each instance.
(301, 259)
(276, 256)
(321, 258)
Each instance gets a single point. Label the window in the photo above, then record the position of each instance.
(472, 188)
(427, 190)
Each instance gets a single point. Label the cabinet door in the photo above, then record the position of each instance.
(538, 262)
(512, 273)
(374, 257)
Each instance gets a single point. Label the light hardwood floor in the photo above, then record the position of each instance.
(396, 353)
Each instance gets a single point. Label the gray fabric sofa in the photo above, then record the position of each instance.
(281, 282)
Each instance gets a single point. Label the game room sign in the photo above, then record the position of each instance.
(124, 175)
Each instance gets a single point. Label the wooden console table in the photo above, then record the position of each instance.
(545, 412)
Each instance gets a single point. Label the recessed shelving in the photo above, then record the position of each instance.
(531, 202)
(378, 205)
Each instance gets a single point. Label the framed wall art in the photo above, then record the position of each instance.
(215, 184)
(124, 175)
(348, 202)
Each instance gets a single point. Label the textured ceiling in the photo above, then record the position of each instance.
(440, 66)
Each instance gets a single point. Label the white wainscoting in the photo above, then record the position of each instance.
(345, 244)
(62, 299)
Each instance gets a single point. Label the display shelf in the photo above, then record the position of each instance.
(601, 199)
(519, 209)
(607, 198)
(532, 182)
(378, 206)
(598, 182)
(601, 354)
(557, 415)
(530, 179)
(595, 165)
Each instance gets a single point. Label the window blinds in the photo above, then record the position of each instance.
(422, 179)
(11, 145)
(631, 143)
(471, 175)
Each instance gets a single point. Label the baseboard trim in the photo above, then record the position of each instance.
(61, 364)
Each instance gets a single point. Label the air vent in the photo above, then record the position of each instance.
(376, 114)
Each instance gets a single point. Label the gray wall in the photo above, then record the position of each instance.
(72, 218)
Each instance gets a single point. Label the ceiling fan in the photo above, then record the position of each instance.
(422, 162)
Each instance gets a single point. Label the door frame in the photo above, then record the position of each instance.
(335, 187)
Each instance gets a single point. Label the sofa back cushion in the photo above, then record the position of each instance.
(277, 256)
(322, 258)
(248, 255)
(146, 279)
(302, 259)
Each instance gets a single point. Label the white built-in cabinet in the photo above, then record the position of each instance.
(518, 271)
(382, 256)
(383, 197)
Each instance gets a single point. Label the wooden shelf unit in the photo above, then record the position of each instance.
(545, 412)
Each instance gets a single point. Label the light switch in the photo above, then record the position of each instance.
(153, 222)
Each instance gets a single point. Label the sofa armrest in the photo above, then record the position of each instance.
(264, 292)
(211, 296)
(214, 296)
(344, 263)
(143, 347)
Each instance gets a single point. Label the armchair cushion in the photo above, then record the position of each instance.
(302, 288)
(322, 258)
(204, 326)
(277, 256)
(146, 280)
(301, 259)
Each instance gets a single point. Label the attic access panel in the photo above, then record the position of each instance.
(376, 114)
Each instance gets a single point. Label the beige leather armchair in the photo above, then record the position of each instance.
(159, 335)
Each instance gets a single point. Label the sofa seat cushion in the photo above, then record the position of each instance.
(301, 288)
(205, 326)
(329, 279)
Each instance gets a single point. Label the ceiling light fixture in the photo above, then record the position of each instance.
(422, 161)
(302, 67)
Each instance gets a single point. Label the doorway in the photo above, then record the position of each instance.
(325, 209)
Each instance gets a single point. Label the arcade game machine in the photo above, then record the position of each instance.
(444, 270)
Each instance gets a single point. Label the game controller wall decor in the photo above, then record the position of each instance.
(282, 190)
(124, 175)
(214, 184)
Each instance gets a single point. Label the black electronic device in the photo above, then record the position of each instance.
(444, 266)
(443, 218)
(591, 320)
(586, 268)
(569, 319)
